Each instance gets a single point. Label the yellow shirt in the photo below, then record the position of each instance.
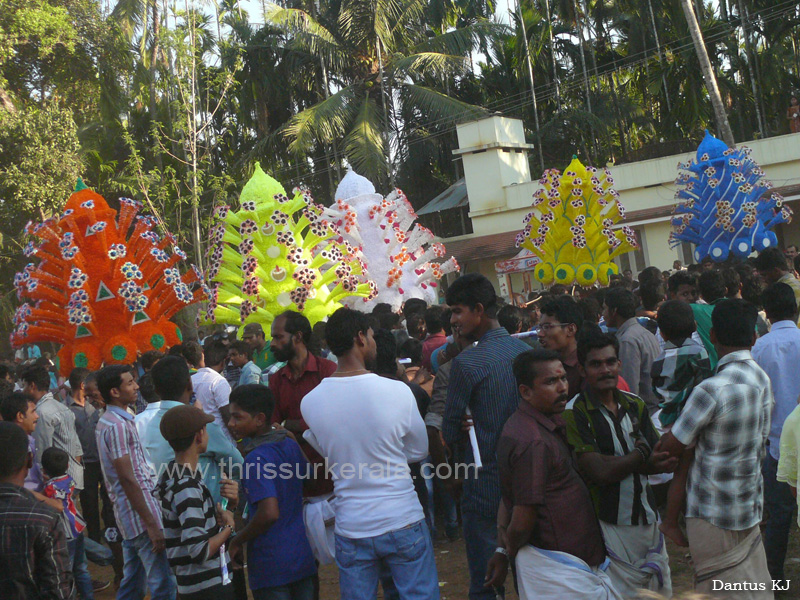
(790, 445)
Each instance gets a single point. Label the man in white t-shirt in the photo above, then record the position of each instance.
(369, 429)
(211, 389)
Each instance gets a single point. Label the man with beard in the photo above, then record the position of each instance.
(481, 380)
(369, 429)
(613, 438)
(546, 524)
(303, 371)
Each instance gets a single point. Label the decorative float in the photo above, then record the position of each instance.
(400, 254)
(278, 253)
(571, 227)
(725, 206)
(105, 285)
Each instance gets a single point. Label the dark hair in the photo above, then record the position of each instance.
(752, 286)
(595, 340)
(386, 347)
(343, 327)
(712, 286)
(254, 399)
(797, 263)
(37, 375)
(650, 275)
(411, 348)
(734, 322)
(651, 293)
(525, 364)
(590, 309)
(294, 322)
(557, 289)
(675, 320)
(445, 321)
(565, 309)
(413, 306)
(6, 389)
(77, 376)
(148, 389)
(433, 318)
(382, 308)
(14, 443)
(732, 280)
(771, 258)
(176, 350)
(318, 334)
(110, 377)
(171, 377)
(779, 302)
(149, 358)
(387, 320)
(215, 353)
(192, 352)
(680, 278)
(12, 405)
(55, 462)
(473, 289)
(623, 301)
(241, 347)
(6, 370)
(511, 318)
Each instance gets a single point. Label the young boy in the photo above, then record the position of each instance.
(682, 365)
(194, 531)
(279, 557)
(241, 356)
(60, 486)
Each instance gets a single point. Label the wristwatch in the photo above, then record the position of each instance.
(501, 550)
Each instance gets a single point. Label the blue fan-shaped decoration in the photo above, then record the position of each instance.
(724, 204)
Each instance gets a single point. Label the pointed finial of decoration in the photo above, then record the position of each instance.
(80, 185)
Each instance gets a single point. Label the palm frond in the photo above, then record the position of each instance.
(325, 121)
(432, 64)
(439, 107)
(309, 36)
(364, 146)
(464, 39)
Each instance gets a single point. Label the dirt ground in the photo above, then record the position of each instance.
(451, 561)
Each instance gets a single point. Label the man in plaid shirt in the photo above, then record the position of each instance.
(728, 418)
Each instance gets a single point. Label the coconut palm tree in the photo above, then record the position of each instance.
(379, 55)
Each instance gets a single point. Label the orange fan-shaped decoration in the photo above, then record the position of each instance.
(105, 285)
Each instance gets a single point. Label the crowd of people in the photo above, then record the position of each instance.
(567, 438)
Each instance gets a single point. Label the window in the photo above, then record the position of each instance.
(636, 260)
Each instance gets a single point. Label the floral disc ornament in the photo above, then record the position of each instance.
(400, 254)
(105, 285)
(278, 253)
(725, 205)
(571, 227)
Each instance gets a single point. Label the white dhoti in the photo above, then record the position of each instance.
(318, 517)
(546, 574)
(639, 559)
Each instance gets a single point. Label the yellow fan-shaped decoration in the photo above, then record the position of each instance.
(571, 225)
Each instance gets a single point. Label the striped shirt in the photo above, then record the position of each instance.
(482, 380)
(675, 374)
(187, 509)
(728, 415)
(56, 427)
(117, 437)
(591, 427)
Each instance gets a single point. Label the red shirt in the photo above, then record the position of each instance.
(288, 393)
(431, 343)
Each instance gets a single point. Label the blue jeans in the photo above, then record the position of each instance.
(297, 590)
(143, 569)
(780, 504)
(80, 572)
(408, 554)
(480, 539)
(97, 553)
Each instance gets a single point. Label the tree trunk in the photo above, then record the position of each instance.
(750, 68)
(720, 116)
(531, 80)
(552, 53)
